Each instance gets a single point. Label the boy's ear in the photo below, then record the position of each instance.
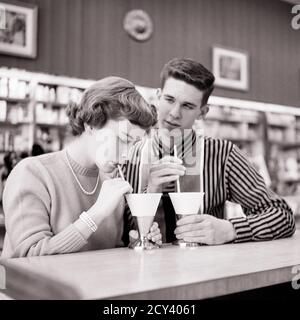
(203, 111)
(158, 93)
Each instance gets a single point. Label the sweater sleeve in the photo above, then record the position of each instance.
(267, 216)
(26, 204)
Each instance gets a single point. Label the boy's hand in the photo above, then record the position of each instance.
(154, 235)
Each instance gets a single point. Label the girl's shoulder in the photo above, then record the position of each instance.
(37, 165)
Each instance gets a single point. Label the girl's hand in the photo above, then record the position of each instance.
(110, 196)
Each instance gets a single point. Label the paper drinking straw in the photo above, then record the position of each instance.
(177, 182)
(201, 163)
(144, 149)
(201, 167)
(121, 172)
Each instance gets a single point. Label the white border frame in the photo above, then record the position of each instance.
(31, 13)
(242, 84)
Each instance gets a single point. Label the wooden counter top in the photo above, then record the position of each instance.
(167, 273)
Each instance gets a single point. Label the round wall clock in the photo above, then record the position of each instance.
(138, 25)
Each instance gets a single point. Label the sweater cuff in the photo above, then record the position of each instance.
(69, 240)
(242, 229)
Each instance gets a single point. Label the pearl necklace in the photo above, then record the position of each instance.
(89, 193)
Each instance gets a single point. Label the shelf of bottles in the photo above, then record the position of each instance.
(271, 141)
(34, 111)
(50, 114)
(242, 127)
(284, 151)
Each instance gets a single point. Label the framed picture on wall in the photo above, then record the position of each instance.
(18, 29)
(231, 68)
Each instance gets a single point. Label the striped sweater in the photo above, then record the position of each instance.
(228, 175)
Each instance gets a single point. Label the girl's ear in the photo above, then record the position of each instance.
(203, 111)
(88, 129)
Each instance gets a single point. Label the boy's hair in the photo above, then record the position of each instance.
(191, 72)
(110, 98)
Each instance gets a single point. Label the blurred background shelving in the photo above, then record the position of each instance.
(32, 109)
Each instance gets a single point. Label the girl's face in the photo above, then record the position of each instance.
(111, 144)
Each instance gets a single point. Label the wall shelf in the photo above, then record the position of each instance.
(15, 100)
(291, 180)
(53, 104)
(51, 125)
(232, 121)
(290, 146)
(237, 140)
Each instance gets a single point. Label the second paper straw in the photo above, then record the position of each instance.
(121, 172)
(177, 182)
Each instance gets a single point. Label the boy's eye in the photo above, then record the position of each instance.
(170, 100)
(186, 106)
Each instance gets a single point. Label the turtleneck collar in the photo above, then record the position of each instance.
(79, 169)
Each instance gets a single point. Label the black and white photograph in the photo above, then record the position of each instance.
(18, 30)
(230, 68)
(149, 157)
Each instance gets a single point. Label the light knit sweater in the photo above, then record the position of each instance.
(42, 201)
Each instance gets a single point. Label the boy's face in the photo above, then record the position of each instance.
(179, 105)
(112, 143)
